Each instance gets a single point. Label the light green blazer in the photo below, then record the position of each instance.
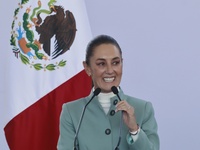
(100, 131)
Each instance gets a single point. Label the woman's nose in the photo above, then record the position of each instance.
(109, 69)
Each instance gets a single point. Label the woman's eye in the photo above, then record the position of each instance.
(100, 64)
(116, 62)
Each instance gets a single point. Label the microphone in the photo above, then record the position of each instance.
(115, 91)
(95, 93)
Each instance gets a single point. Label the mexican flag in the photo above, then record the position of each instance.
(43, 45)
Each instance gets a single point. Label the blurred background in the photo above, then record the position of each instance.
(160, 40)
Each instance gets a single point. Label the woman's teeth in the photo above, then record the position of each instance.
(109, 79)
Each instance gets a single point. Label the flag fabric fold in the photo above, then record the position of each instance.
(44, 44)
(37, 127)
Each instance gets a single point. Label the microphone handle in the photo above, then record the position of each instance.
(81, 118)
(115, 91)
(120, 130)
(118, 97)
(120, 127)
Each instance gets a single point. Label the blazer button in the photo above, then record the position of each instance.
(107, 131)
(112, 112)
(115, 102)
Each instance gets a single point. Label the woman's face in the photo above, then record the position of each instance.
(105, 67)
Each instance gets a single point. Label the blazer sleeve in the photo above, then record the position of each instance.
(148, 137)
(67, 131)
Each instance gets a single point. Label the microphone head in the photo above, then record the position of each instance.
(114, 89)
(97, 91)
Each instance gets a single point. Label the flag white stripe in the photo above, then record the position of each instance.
(21, 85)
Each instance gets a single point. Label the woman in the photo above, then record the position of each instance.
(110, 121)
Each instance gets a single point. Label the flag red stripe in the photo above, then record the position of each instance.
(37, 127)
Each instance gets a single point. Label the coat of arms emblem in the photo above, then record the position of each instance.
(37, 29)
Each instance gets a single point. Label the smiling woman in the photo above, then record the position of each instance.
(104, 64)
(101, 127)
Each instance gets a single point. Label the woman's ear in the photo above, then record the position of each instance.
(87, 68)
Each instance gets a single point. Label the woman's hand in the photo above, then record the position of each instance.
(128, 115)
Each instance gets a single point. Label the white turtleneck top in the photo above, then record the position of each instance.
(104, 100)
